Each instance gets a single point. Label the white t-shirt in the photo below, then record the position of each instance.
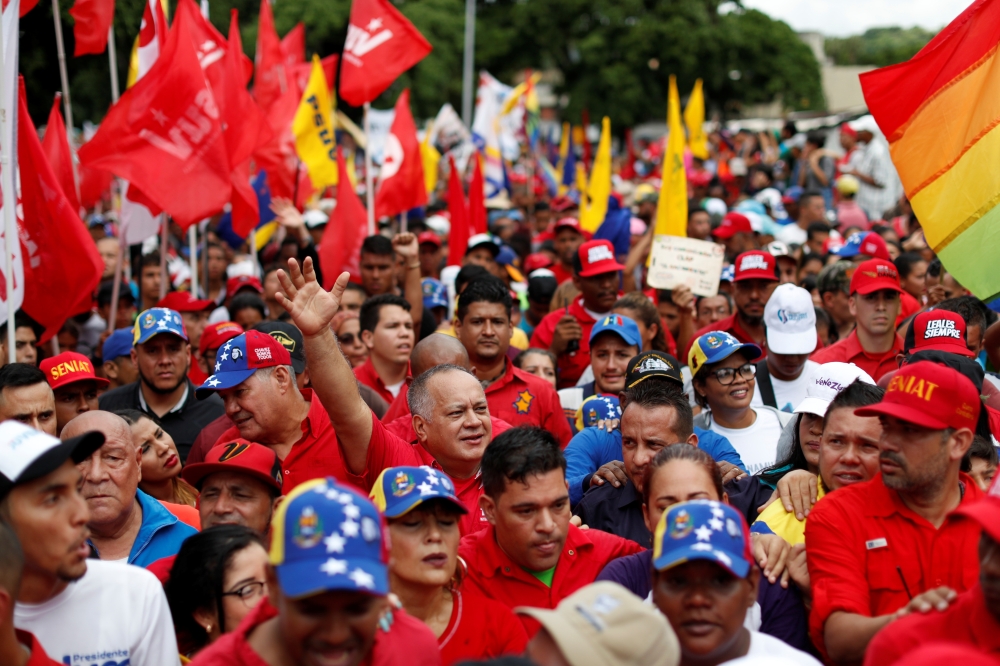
(791, 234)
(394, 388)
(766, 649)
(115, 614)
(758, 444)
(787, 394)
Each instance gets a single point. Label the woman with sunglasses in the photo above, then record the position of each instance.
(723, 379)
(347, 326)
(425, 572)
(217, 578)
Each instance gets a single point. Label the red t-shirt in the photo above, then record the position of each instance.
(561, 272)
(496, 576)
(314, 456)
(38, 656)
(368, 375)
(402, 427)
(966, 621)
(862, 541)
(407, 643)
(387, 450)
(520, 398)
(480, 628)
(399, 406)
(907, 306)
(571, 364)
(849, 350)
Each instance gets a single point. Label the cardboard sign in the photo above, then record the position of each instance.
(678, 260)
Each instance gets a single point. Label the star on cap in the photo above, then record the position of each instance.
(212, 381)
(701, 546)
(162, 324)
(334, 567)
(349, 528)
(352, 511)
(335, 543)
(225, 356)
(218, 366)
(227, 346)
(433, 479)
(715, 524)
(722, 557)
(362, 579)
(718, 512)
(703, 533)
(425, 488)
(345, 498)
(332, 494)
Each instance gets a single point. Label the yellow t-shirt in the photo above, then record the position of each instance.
(784, 523)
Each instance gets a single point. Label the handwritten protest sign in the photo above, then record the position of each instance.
(678, 260)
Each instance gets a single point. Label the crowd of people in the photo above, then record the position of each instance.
(533, 457)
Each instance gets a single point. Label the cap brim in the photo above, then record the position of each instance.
(736, 566)
(948, 349)
(751, 351)
(298, 365)
(101, 382)
(610, 267)
(724, 233)
(575, 646)
(877, 286)
(755, 275)
(635, 381)
(791, 343)
(225, 380)
(903, 413)
(812, 406)
(195, 473)
(303, 579)
(405, 507)
(152, 334)
(621, 334)
(494, 248)
(76, 449)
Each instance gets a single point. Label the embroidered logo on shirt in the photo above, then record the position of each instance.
(876, 543)
(523, 402)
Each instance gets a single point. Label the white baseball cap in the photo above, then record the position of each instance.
(830, 379)
(27, 454)
(790, 318)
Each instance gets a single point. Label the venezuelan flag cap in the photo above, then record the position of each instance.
(399, 490)
(716, 346)
(702, 530)
(326, 537)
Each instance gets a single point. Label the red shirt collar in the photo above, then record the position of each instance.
(853, 346)
(886, 501)
(491, 560)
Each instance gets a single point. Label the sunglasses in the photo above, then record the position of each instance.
(727, 376)
(347, 338)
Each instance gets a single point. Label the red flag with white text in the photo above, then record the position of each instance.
(55, 143)
(340, 249)
(381, 44)
(401, 180)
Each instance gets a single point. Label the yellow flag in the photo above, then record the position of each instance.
(671, 209)
(563, 152)
(315, 141)
(599, 188)
(431, 158)
(694, 118)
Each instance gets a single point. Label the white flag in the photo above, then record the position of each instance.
(12, 285)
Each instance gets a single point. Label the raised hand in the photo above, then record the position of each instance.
(288, 215)
(406, 246)
(311, 307)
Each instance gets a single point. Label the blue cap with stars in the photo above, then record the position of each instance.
(597, 408)
(240, 357)
(155, 321)
(326, 536)
(702, 530)
(399, 490)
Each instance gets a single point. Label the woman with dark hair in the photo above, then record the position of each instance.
(217, 579)
(161, 465)
(637, 307)
(540, 363)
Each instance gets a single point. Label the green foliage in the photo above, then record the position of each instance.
(878, 46)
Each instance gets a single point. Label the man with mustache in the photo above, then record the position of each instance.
(896, 544)
(566, 331)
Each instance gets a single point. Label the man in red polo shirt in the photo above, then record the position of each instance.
(873, 344)
(755, 278)
(482, 324)
(973, 619)
(566, 332)
(194, 313)
(895, 544)
(387, 331)
(530, 555)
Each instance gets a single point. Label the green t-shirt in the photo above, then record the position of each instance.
(544, 576)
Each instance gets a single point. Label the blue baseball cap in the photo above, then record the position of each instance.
(626, 329)
(867, 243)
(506, 256)
(399, 490)
(728, 274)
(702, 530)
(326, 536)
(155, 321)
(117, 344)
(242, 356)
(597, 408)
(435, 293)
(716, 346)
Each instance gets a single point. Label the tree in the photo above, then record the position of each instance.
(878, 46)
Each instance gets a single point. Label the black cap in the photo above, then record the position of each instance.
(290, 338)
(652, 364)
(27, 454)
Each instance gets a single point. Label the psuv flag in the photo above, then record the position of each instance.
(401, 180)
(315, 141)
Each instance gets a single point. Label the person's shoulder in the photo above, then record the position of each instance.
(408, 641)
(831, 352)
(118, 398)
(850, 501)
(121, 576)
(597, 496)
(763, 645)
(594, 437)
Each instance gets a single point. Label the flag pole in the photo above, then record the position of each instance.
(164, 276)
(369, 188)
(116, 286)
(253, 249)
(468, 61)
(64, 79)
(193, 257)
(402, 222)
(7, 187)
(113, 62)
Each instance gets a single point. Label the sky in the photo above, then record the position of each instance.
(849, 17)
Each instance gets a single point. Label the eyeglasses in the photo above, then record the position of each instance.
(248, 593)
(347, 339)
(727, 376)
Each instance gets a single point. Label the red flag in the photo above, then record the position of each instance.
(401, 181)
(269, 78)
(164, 135)
(277, 157)
(56, 147)
(585, 119)
(301, 72)
(340, 249)
(381, 44)
(61, 263)
(293, 46)
(628, 171)
(92, 18)
(94, 183)
(458, 239)
(477, 197)
(26, 6)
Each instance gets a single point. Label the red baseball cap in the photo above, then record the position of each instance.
(568, 223)
(598, 257)
(215, 335)
(537, 260)
(931, 396)
(234, 284)
(940, 330)
(562, 204)
(756, 265)
(845, 128)
(873, 275)
(733, 223)
(68, 368)
(184, 301)
(873, 245)
(238, 359)
(429, 237)
(241, 456)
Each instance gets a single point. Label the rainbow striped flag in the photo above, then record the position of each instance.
(940, 112)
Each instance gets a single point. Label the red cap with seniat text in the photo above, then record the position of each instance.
(929, 395)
